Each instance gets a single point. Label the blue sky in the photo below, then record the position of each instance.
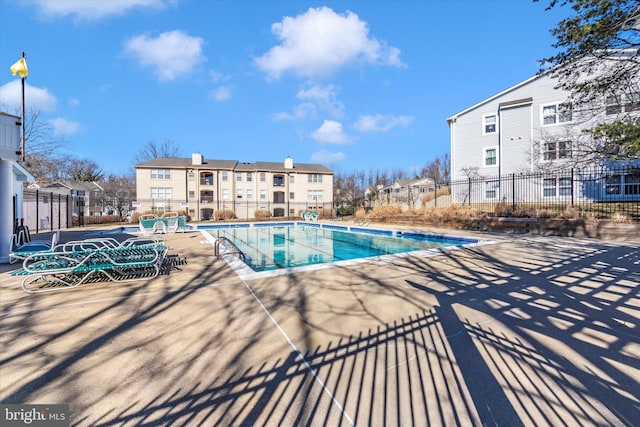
(354, 85)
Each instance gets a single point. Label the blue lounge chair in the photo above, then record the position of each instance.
(66, 269)
(19, 251)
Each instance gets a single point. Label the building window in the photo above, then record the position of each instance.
(263, 177)
(206, 178)
(632, 183)
(238, 176)
(292, 179)
(191, 175)
(491, 189)
(278, 197)
(489, 124)
(632, 102)
(278, 180)
(160, 193)
(192, 194)
(314, 178)
(553, 114)
(612, 105)
(249, 194)
(249, 176)
(564, 186)
(292, 195)
(160, 173)
(225, 194)
(490, 156)
(616, 104)
(263, 194)
(239, 194)
(549, 187)
(613, 184)
(314, 195)
(225, 176)
(557, 150)
(206, 196)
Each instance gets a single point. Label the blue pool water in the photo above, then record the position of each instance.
(267, 247)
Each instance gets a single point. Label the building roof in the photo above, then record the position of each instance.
(279, 167)
(185, 163)
(497, 95)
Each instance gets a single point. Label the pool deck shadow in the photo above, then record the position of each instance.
(527, 331)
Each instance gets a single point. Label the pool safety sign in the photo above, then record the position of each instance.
(34, 415)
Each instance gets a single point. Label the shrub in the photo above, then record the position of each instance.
(221, 215)
(621, 218)
(383, 211)
(262, 214)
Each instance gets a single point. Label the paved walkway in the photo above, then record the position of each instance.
(528, 331)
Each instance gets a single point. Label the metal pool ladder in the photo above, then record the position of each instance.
(236, 250)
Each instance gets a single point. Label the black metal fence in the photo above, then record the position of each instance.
(46, 210)
(600, 193)
(214, 209)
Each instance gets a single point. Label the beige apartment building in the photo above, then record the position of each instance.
(203, 188)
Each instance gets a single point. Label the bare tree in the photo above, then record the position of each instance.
(119, 192)
(82, 169)
(156, 150)
(438, 169)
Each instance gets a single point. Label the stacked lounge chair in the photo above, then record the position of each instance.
(71, 264)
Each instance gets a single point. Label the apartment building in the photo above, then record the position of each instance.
(202, 187)
(531, 128)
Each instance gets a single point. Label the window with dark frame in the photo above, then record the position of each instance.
(490, 157)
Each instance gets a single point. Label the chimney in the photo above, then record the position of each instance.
(197, 159)
(288, 163)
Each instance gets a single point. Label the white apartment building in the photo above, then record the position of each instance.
(530, 128)
(201, 187)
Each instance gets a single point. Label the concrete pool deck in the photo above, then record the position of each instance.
(527, 331)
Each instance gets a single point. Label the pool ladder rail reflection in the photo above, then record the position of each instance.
(231, 248)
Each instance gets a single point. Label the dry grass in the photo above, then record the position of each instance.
(621, 218)
(262, 214)
(221, 215)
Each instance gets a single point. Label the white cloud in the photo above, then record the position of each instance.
(381, 123)
(316, 99)
(300, 111)
(93, 9)
(327, 158)
(217, 77)
(321, 41)
(219, 94)
(170, 55)
(74, 102)
(324, 97)
(330, 132)
(62, 126)
(37, 99)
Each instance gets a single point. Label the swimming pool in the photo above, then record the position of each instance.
(268, 247)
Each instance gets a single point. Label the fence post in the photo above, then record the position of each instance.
(435, 188)
(572, 184)
(51, 211)
(469, 191)
(513, 191)
(37, 210)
